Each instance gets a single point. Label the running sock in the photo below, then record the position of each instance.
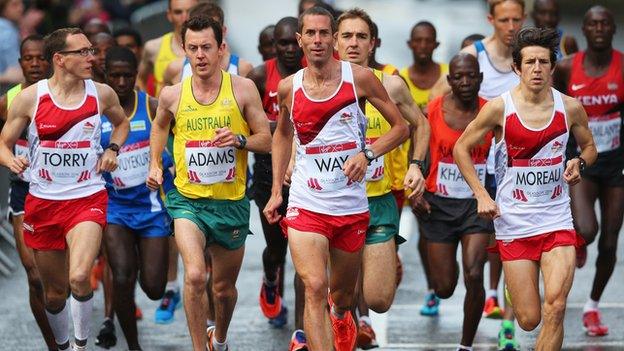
(590, 305)
(59, 323)
(82, 308)
(219, 346)
(336, 314)
(173, 286)
(464, 348)
(366, 319)
(491, 293)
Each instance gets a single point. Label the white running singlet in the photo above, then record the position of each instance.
(327, 133)
(531, 195)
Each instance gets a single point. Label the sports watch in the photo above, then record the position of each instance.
(370, 155)
(242, 141)
(113, 147)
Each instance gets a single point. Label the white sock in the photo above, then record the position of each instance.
(462, 347)
(366, 319)
(173, 286)
(491, 293)
(590, 305)
(219, 346)
(59, 323)
(82, 308)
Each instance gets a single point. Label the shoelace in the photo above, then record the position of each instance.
(343, 325)
(432, 301)
(166, 301)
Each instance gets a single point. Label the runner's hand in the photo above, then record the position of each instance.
(487, 208)
(270, 210)
(355, 167)
(420, 206)
(154, 178)
(572, 173)
(107, 162)
(224, 137)
(414, 180)
(18, 164)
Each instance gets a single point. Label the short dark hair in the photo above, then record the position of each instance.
(120, 54)
(57, 41)
(130, 32)
(317, 11)
(424, 24)
(357, 13)
(493, 3)
(531, 36)
(199, 23)
(209, 9)
(32, 37)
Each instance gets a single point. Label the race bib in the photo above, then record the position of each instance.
(537, 180)
(323, 166)
(606, 131)
(21, 149)
(451, 183)
(66, 162)
(133, 165)
(207, 164)
(375, 171)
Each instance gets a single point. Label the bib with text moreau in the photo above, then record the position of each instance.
(66, 162)
(21, 149)
(537, 180)
(132, 165)
(208, 164)
(204, 170)
(324, 166)
(602, 97)
(451, 183)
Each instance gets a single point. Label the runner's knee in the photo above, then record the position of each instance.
(444, 289)
(528, 319)
(473, 276)
(55, 298)
(78, 279)
(554, 310)
(380, 304)
(587, 230)
(195, 279)
(224, 290)
(315, 288)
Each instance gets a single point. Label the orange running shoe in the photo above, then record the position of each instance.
(97, 272)
(344, 328)
(138, 314)
(270, 300)
(366, 336)
(491, 309)
(592, 324)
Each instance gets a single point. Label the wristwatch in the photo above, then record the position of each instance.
(242, 141)
(113, 147)
(582, 163)
(370, 155)
(419, 163)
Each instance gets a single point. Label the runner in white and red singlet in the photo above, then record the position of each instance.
(532, 216)
(66, 206)
(327, 214)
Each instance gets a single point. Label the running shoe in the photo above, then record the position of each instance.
(592, 324)
(281, 319)
(366, 336)
(399, 270)
(75, 347)
(581, 256)
(507, 338)
(298, 341)
(270, 300)
(138, 313)
(432, 305)
(168, 305)
(491, 309)
(210, 334)
(345, 331)
(106, 338)
(97, 272)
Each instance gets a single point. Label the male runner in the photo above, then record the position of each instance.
(448, 211)
(545, 14)
(130, 38)
(102, 42)
(355, 42)
(532, 217)
(231, 63)
(65, 210)
(34, 67)
(138, 226)
(265, 42)
(471, 39)
(267, 77)
(596, 78)
(327, 214)
(160, 52)
(218, 117)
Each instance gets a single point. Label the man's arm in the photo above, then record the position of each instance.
(146, 67)
(561, 76)
(3, 107)
(167, 103)
(121, 126)
(12, 75)
(489, 118)
(570, 45)
(18, 118)
(172, 73)
(244, 67)
(579, 126)
(400, 95)
(152, 106)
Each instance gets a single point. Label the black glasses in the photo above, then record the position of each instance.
(82, 52)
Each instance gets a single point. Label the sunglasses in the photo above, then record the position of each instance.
(82, 52)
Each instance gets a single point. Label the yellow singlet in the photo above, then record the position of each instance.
(164, 57)
(379, 173)
(420, 96)
(12, 93)
(203, 170)
(389, 69)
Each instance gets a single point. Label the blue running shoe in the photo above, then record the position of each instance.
(431, 306)
(298, 341)
(168, 305)
(281, 319)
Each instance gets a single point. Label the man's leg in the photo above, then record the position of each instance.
(442, 256)
(558, 270)
(522, 280)
(226, 265)
(83, 241)
(474, 255)
(165, 312)
(583, 198)
(379, 279)
(35, 288)
(191, 242)
(310, 254)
